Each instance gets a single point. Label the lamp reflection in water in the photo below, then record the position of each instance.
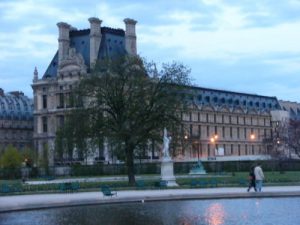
(215, 214)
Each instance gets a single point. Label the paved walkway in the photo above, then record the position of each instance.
(39, 201)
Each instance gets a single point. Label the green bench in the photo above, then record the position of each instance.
(107, 191)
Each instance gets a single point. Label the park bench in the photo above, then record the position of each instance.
(107, 191)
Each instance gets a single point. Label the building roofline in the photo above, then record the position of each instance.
(229, 92)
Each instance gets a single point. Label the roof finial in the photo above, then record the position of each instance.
(35, 75)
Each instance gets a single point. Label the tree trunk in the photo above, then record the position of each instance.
(130, 166)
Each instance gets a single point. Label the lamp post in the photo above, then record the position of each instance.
(213, 140)
(252, 138)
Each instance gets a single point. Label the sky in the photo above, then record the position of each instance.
(248, 46)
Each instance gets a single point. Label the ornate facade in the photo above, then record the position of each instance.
(16, 120)
(77, 52)
(225, 125)
(221, 124)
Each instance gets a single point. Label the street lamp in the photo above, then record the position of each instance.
(213, 140)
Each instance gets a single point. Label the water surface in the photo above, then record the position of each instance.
(262, 211)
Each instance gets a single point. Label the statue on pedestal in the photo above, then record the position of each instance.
(167, 141)
(167, 164)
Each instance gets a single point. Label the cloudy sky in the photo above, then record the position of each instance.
(247, 46)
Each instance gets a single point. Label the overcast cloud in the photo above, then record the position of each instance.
(247, 46)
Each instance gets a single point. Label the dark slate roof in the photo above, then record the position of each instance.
(292, 107)
(112, 44)
(16, 106)
(52, 68)
(222, 98)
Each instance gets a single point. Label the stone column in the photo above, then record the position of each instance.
(63, 41)
(95, 39)
(130, 36)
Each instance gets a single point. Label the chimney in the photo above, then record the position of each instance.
(35, 75)
(130, 36)
(95, 39)
(63, 41)
(1, 92)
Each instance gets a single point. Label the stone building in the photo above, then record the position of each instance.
(77, 52)
(16, 120)
(221, 125)
(293, 109)
(225, 125)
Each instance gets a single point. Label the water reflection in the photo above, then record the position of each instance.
(215, 214)
(192, 212)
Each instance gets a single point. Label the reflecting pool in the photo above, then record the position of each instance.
(260, 211)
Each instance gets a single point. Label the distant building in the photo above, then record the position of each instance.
(77, 52)
(16, 120)
(293, 108)
(226, 125)
(221, 125)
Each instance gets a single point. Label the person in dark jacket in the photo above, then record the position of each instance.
(252, 182)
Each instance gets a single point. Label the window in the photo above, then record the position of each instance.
(45, 124)
(61, 121)
(208, 149)
(231, 132)
(199, 98)
(207, 99)
(44, 101)
(61, 100)
(199, 130)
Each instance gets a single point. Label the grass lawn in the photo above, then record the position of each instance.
(238, 179)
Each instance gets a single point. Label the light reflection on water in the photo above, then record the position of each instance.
(276, 211)
(215, 214)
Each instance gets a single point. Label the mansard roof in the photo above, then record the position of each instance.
(15, 106)
(231, 100)
(292, 107)
(112, 44)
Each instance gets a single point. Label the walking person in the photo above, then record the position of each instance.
(252, 179)
(259, 177)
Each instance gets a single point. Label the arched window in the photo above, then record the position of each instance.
(215, 99)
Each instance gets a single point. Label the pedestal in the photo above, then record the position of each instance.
(167, 172)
